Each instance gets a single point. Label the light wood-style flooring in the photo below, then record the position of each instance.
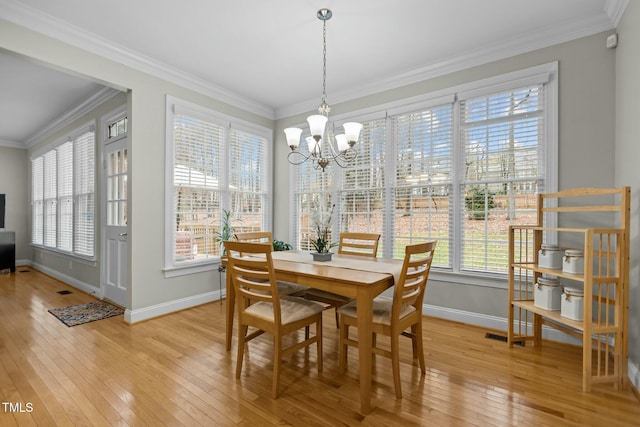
(174, 370)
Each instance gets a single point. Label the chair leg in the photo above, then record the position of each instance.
(414, 347)
(417, 339)
(342, 351)
(242, 333)
(395, 364)
(277, 346)
(319, 342)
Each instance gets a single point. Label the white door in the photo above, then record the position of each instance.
(115, 254)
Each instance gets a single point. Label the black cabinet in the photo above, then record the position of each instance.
(8, 250)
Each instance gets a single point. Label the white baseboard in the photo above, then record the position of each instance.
(146, 313)
(72, 281)
(492, 322)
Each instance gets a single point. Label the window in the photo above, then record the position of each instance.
(216, 163)
(458, 168)
(117, 128)
(63, 193)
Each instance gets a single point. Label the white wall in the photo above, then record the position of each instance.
(150, 293)
(586, 156)
(627, 149)
(13, 166)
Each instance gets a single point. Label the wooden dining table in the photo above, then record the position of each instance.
(352, 276)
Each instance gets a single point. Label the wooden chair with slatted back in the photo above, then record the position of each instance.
(395, 317)
(255, 237)
(359, 244)
(363, 244)
(285, 288)
(261, 306)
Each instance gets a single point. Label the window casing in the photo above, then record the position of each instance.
(63, 196)
(215, 163)
(458, 166)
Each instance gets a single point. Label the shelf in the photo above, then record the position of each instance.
(605, 302)
(550, 314)
(549, 271)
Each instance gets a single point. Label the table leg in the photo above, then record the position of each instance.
(231, 300)
(365, 320)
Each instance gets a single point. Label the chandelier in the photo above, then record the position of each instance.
(321, 150)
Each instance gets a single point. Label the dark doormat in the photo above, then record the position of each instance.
(84, 313)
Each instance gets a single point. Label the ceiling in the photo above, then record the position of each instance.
(266, 56)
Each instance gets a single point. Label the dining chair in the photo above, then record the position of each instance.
(359, 244)
(394, 317)
(363, 244)
(261, 306)
(284, 288)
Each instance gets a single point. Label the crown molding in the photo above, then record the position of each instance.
(89, 104)
(50, 26)
(35, 20)
(615, 9)
(527, 43)
(12, 144)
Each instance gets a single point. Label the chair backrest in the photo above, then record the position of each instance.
(255, 237)
(413, 280)
(251, 268)
(361, 244)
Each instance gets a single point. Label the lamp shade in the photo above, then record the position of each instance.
(293, 137)
(317, 123)
(352, 131)
(341, 141)
(312, 144)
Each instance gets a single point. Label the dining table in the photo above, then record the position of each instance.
(356, 277)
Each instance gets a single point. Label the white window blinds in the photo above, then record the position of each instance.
(423, 151)
(458, 168)
(37, 203)
(503, 143)
(84, 194)
(65, 196)
(363, 194)
(312, 197)
(50, 199)
(218, 165)
(247, 178)
(197, 189)
(63, 190)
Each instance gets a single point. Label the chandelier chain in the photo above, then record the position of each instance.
(324, 62)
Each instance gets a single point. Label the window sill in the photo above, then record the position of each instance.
(65, 255)
(498, 281)
(192, 268)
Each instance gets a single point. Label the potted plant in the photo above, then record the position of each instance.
(322, 242)
(226, 231)
(280, 245)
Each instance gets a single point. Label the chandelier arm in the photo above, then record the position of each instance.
(345, 158)
(297, 158)
(333, 152)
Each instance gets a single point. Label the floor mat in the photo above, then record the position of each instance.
(84, 313)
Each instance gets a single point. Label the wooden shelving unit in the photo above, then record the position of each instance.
(604, 330)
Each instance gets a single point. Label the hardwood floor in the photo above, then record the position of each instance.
(174, 370)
